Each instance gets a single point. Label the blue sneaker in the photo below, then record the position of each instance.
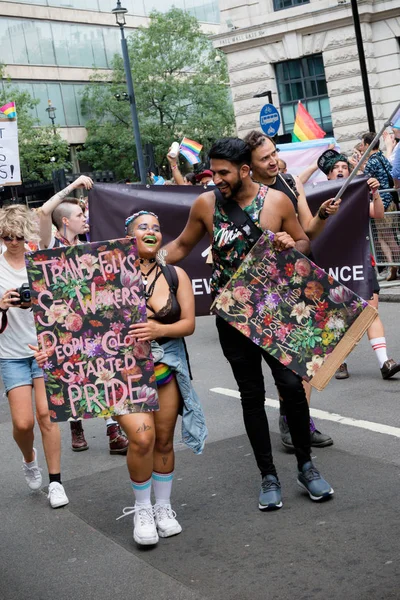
(309, 478)
(270, 494)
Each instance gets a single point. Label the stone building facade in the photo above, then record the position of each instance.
(306, 50)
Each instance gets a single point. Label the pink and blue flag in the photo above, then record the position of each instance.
(396, 120)
(190, 150)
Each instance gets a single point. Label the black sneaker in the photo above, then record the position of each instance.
(318, 439)
(310, 479)
(286, 438)
(342, 372)
(390, 368)
(270, 493)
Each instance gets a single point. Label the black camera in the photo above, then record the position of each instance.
(24, 294)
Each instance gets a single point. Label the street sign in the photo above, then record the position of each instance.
(270, 119)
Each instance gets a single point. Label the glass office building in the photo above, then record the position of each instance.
(52, 54)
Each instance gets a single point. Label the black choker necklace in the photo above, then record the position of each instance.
(148, 260)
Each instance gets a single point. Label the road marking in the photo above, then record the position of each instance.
(324, 415)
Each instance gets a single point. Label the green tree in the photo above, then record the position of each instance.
(180, 88)
(40, 150)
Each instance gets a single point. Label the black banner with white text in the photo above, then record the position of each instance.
(342, 249)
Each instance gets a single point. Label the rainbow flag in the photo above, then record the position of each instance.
(9, 110)
(190, 150)
(305, 127)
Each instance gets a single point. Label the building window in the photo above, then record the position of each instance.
(303, 79)
(66, 97)
(282, 4)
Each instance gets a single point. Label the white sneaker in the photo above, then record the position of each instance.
(166, 523)
(32, 473)
(57, 496)
(144, 527)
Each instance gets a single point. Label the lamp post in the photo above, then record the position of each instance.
(363, 66)
(119, 13)
(51, 111)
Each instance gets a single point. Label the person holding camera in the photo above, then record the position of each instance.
(18, 367)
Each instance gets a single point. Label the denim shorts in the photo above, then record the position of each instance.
(16, 372)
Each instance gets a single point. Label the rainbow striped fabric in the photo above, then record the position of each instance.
(9, 110)
(305, 127)
(190, 150)
(163, 373)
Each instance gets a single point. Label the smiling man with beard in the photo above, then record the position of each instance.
(268, 209)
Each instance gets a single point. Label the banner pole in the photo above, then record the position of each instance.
(366, 154)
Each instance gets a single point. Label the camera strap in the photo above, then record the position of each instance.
(4, 320)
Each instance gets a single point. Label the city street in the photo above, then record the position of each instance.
(348, 547)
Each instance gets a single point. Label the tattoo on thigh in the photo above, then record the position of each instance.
(143, 427)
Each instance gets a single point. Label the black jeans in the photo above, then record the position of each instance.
(245, 359)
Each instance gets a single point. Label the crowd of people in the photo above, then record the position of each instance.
(250, 174)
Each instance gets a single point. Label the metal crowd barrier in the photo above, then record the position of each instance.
(385, 236)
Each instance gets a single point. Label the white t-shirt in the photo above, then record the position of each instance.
(20, 330)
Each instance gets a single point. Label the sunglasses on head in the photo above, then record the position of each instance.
(9, 238)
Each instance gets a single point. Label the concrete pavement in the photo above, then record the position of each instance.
(347, 547)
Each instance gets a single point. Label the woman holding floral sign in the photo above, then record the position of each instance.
(151, 459)
(150, 431)
(18, 367)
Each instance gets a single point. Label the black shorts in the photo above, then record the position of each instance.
(373, 281)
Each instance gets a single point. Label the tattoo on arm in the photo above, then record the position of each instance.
(64, 193)
(143, 428)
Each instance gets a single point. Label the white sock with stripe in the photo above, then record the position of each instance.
(142, 491)
(162, 485)
(379, 347)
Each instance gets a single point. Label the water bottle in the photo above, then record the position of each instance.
(174, 150)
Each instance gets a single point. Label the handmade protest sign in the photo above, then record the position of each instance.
(84, 299)
(10, 172)
(294, 310)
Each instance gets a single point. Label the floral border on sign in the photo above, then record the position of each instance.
(84, 299)
(289, 306)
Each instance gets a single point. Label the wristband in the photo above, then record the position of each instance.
(322, 215)
(4, 320)
(173, 167)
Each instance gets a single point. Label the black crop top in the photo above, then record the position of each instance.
(171, 312)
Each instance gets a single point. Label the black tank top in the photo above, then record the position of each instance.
(281, 185)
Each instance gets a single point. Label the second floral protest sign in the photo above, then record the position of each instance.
(84, 299)
(293, 309)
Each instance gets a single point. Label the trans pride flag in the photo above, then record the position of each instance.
(396, 120)
(305, 127)
(190, 150)
(300, 155)
(9, 110)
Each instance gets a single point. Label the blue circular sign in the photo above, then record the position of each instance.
(270, 119)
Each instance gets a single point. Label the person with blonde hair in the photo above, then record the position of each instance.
(18, 368)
